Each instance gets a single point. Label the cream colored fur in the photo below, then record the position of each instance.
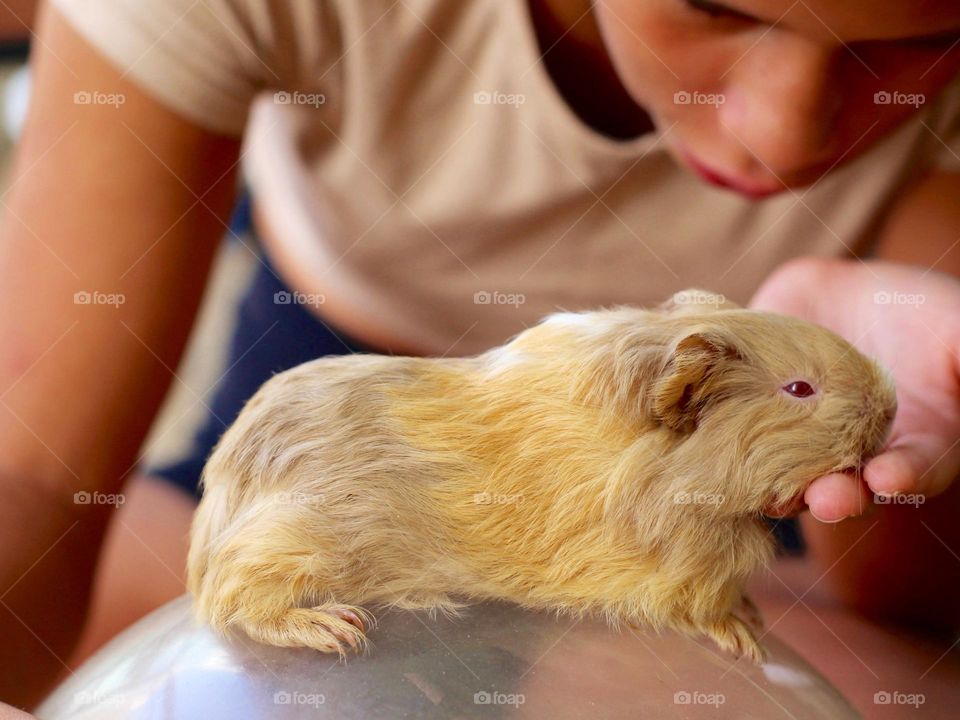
(612, 463)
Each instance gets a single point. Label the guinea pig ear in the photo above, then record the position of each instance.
(683, 387)
(693, 300)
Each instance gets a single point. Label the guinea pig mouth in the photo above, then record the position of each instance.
(792, 507)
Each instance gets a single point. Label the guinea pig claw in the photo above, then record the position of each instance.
(348, 615)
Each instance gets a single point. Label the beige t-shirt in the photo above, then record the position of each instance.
(420, 180)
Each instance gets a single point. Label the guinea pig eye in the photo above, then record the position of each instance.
(799, 388)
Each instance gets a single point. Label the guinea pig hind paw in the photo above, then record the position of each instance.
(331, 629)
(735, 636)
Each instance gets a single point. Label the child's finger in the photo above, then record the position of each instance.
(833, 497)
(922, 465)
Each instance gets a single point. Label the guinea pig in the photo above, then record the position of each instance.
(615, 463)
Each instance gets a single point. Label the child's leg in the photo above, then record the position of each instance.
(142, 563)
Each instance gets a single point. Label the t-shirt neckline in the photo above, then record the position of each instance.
(557, 104)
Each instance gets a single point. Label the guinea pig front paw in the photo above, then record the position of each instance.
(735, 636)
(750, 614)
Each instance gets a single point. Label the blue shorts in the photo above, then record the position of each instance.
(268, 338)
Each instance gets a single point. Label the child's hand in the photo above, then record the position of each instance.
(909, 319)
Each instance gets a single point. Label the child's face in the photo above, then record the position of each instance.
(768, 93)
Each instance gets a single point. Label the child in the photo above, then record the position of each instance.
(432, 176)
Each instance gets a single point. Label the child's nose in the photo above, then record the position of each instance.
(783, 102)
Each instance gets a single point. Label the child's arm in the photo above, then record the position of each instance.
(125, 198)
(924, 226)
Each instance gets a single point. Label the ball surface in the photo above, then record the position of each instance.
(493, 661)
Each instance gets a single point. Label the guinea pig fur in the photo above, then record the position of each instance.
(614, 463)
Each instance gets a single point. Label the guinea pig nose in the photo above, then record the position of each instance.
(886, 413)
(876, 430)
(881, 405)
(889, 413)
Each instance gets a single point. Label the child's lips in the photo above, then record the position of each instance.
(742, 187)
(794, 506)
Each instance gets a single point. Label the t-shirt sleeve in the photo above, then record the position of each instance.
(205, 59)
